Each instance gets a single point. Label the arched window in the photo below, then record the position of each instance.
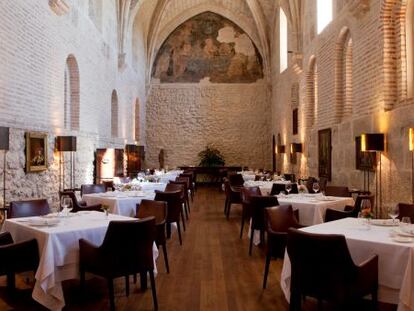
(137, 120)
(71, 94)
(324, 9)
(312, 92)
(283, 41)
(410, 47)
(343, 72)
(114, 114)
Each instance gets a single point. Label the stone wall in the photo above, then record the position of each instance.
(183, 118)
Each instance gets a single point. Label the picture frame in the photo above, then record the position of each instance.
(325, 153)
(364, 161)
(36, 152)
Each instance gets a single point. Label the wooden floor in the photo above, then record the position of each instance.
(210, 271)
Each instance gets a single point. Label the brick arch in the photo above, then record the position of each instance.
(137, 120)
(409, 41)
(311, 93)
(71, 94)
(114, 114)
(343, 75)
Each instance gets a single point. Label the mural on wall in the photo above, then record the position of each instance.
(208, 46)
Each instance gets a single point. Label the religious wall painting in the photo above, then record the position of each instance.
(36, 152)
(208, 46)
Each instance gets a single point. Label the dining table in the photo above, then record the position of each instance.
(58, 239)
(264, 185)
(395, 250)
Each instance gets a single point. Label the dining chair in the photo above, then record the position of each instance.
(309, 184)
(126, 250)
(235, 179)
(406, 210)
(174, 186)
(233, 196)
(337, 191)
(159, 210)
(77, 206)
(109, 184)
(187, 190)
(322, 267)
(92, 188)
(28, 208)
(278, 188)
(191, 187)
(258, 204)
(277, 222)
(246, 193)
(349, 211)
(175, 210)
(17, 257)
(290, 177)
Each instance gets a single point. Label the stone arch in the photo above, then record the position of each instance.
(137, 120)
(343, 75)
(409, 41)
(114, 114)
(312, 92)
(71, 94)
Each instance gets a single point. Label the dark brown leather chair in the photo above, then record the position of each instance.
(77, 206)
(28, 208)
(233, 196)
(322, 267)
(349, 211)
(236, 180)
(258, 205)
(159, 210)
(290, 177)
(126, 250)
(109, 184)
(406, 210)
(17, 257)
(92, 188)
(192, 184)
(278, 220)
(337, 191)
(246, 193)
(186, 182)
(174, 204)
(277, 188)
(172, 187)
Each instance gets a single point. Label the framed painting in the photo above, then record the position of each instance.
(325, 153)
(36, 152)
(364, 161)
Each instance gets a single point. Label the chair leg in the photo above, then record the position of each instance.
(154, 290)
(82, 280)
(143, 279)
(127, 285)
(135, 278)
(11, 281)
(295, 299)
(375, 299)
(111, 294)
(182, 219)
(179, 232)
(242, 226)
(251, 240)
(164, 250)
(266, 272)
(228, 210)
(168, 230)
(225, 206)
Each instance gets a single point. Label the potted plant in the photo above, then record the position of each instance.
(210, 156)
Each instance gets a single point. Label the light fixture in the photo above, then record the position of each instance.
(280, 149)
(411, 148)
(295, 148)
(375, 142)
(66, 144)
(4, 145)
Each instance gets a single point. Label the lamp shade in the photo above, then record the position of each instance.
(411, 139)
(4, 138)
(295, 148)
(280, 149)
(372, 142)
(66, 143)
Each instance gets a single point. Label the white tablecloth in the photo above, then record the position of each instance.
(59, 250)
(265, 186)
(312, 207)
(395, 264)
(168, 176)
(120, 203)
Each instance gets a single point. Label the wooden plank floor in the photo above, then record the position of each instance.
(210, 271)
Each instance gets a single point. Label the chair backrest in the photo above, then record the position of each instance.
(72, 196)
(321, 263)
(236, 179)
(185, 180)
(128, 245)
(28, 208)
(280, 218)
(157, 209)
(258, 205)
(406, 210)
(277, 188)
(188, 175)
(337, 191)
(174, 203)
(309, 184)
(247, 192)
(358, 203)
(109, 184)
(92, 188)
(290, 177)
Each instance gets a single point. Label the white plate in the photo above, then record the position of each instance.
(402, 239)
(384, 222)
(403, 233)
(43, 222)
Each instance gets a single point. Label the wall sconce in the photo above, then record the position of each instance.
(66, 144)
(280, 149)
(296, 148)
(375, 143)
(411, 148)
(4, 145)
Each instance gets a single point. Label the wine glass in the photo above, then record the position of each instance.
(393, 212)
(405, 222)
(315, 187)
(66, 203)
(288, 187)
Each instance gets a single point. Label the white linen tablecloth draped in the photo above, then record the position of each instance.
(395, 260)
(59, 250)
(265, 186)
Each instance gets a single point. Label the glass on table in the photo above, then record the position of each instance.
(288, 187)
(66, 204)
(393, 212)
(315, 187)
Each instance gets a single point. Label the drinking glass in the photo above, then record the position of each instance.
(393, 212)
(288, 187)
(66, 203)
(405, 222)
(315, 187)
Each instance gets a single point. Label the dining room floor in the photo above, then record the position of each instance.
(210, 271)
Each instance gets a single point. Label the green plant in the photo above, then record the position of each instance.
(210, 156)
